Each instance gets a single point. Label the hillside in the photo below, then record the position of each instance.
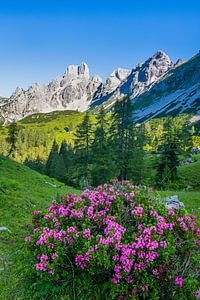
(21, 191)
(37, 132)
(175, 93)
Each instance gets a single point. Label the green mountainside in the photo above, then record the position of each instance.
(22, 191)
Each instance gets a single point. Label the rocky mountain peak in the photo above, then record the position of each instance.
(179, 62)
(154, 67)
(75, 71)
(76, 90)
(83, 70)
(18, 91)
(116, 77)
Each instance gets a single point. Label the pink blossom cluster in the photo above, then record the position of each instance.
(114, 225)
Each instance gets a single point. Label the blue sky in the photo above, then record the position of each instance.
(39, 38)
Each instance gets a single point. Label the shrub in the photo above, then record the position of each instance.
(115, 242)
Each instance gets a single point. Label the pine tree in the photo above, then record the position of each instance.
(36, 165)
(103, 168)
(53, 153)
(137, 161)
(168, 161)
(67, 154)
(123, 137)
(12, 137)
(83, 141)
(57, 169)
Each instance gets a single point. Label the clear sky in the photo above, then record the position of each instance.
(39, 38)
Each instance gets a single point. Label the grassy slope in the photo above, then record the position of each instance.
(189, 174)
(21, 191)
(24, 191)
(37, 132)
(42, 128)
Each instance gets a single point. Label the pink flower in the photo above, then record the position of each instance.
(43, 257)
(54, 255)
(197, 295)
(51, 272)
(27, 238)
(133, 293)
(87, 234)
(179, 281)
(170, 212)
(163, 244)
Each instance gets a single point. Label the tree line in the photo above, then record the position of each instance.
(113, 147)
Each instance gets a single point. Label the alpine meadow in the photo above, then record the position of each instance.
(100, 178)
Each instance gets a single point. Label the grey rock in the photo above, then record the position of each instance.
(187, 160)
(51, 184)
(4, 229)
(73, 91)
(134, 82)
(179, 62)
(195, 150)
(168, 87)
(188, 187)
(173, 202)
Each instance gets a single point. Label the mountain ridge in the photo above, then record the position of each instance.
(76, 90)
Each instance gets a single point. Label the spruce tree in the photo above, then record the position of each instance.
(67, 154)
(103, 168)
(57, 169)
(83, 141)
(12, 137)
(168, 161)
(122, 137)
(137, 161)
(53, 153)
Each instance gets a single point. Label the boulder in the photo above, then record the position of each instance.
(173, 202)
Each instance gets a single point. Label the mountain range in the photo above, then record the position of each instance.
(157, 87)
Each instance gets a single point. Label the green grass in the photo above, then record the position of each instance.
(22, 190)
(190, 174)
(191, 199)
(37, 132)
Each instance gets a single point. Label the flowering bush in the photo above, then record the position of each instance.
(116, 242)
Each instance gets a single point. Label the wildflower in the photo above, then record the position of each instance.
(87, 234)
(27, 238)
(179, 281)
(54, 255)
(133, 293)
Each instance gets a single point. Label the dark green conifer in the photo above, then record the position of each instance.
(12, 138)
(83, 141)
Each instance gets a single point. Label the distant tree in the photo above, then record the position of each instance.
(102, 164)
(53, 153)
(186, 133)
(12, 137)
(67, 154)
(122, 139)
(83, 141)
(57, 169)
(168, 161)
(36, 165)
(137, 153)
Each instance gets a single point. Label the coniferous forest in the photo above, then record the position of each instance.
(108, 145)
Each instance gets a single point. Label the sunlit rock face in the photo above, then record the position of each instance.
(156, 86)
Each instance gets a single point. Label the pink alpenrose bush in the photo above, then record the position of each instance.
(116, 242)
